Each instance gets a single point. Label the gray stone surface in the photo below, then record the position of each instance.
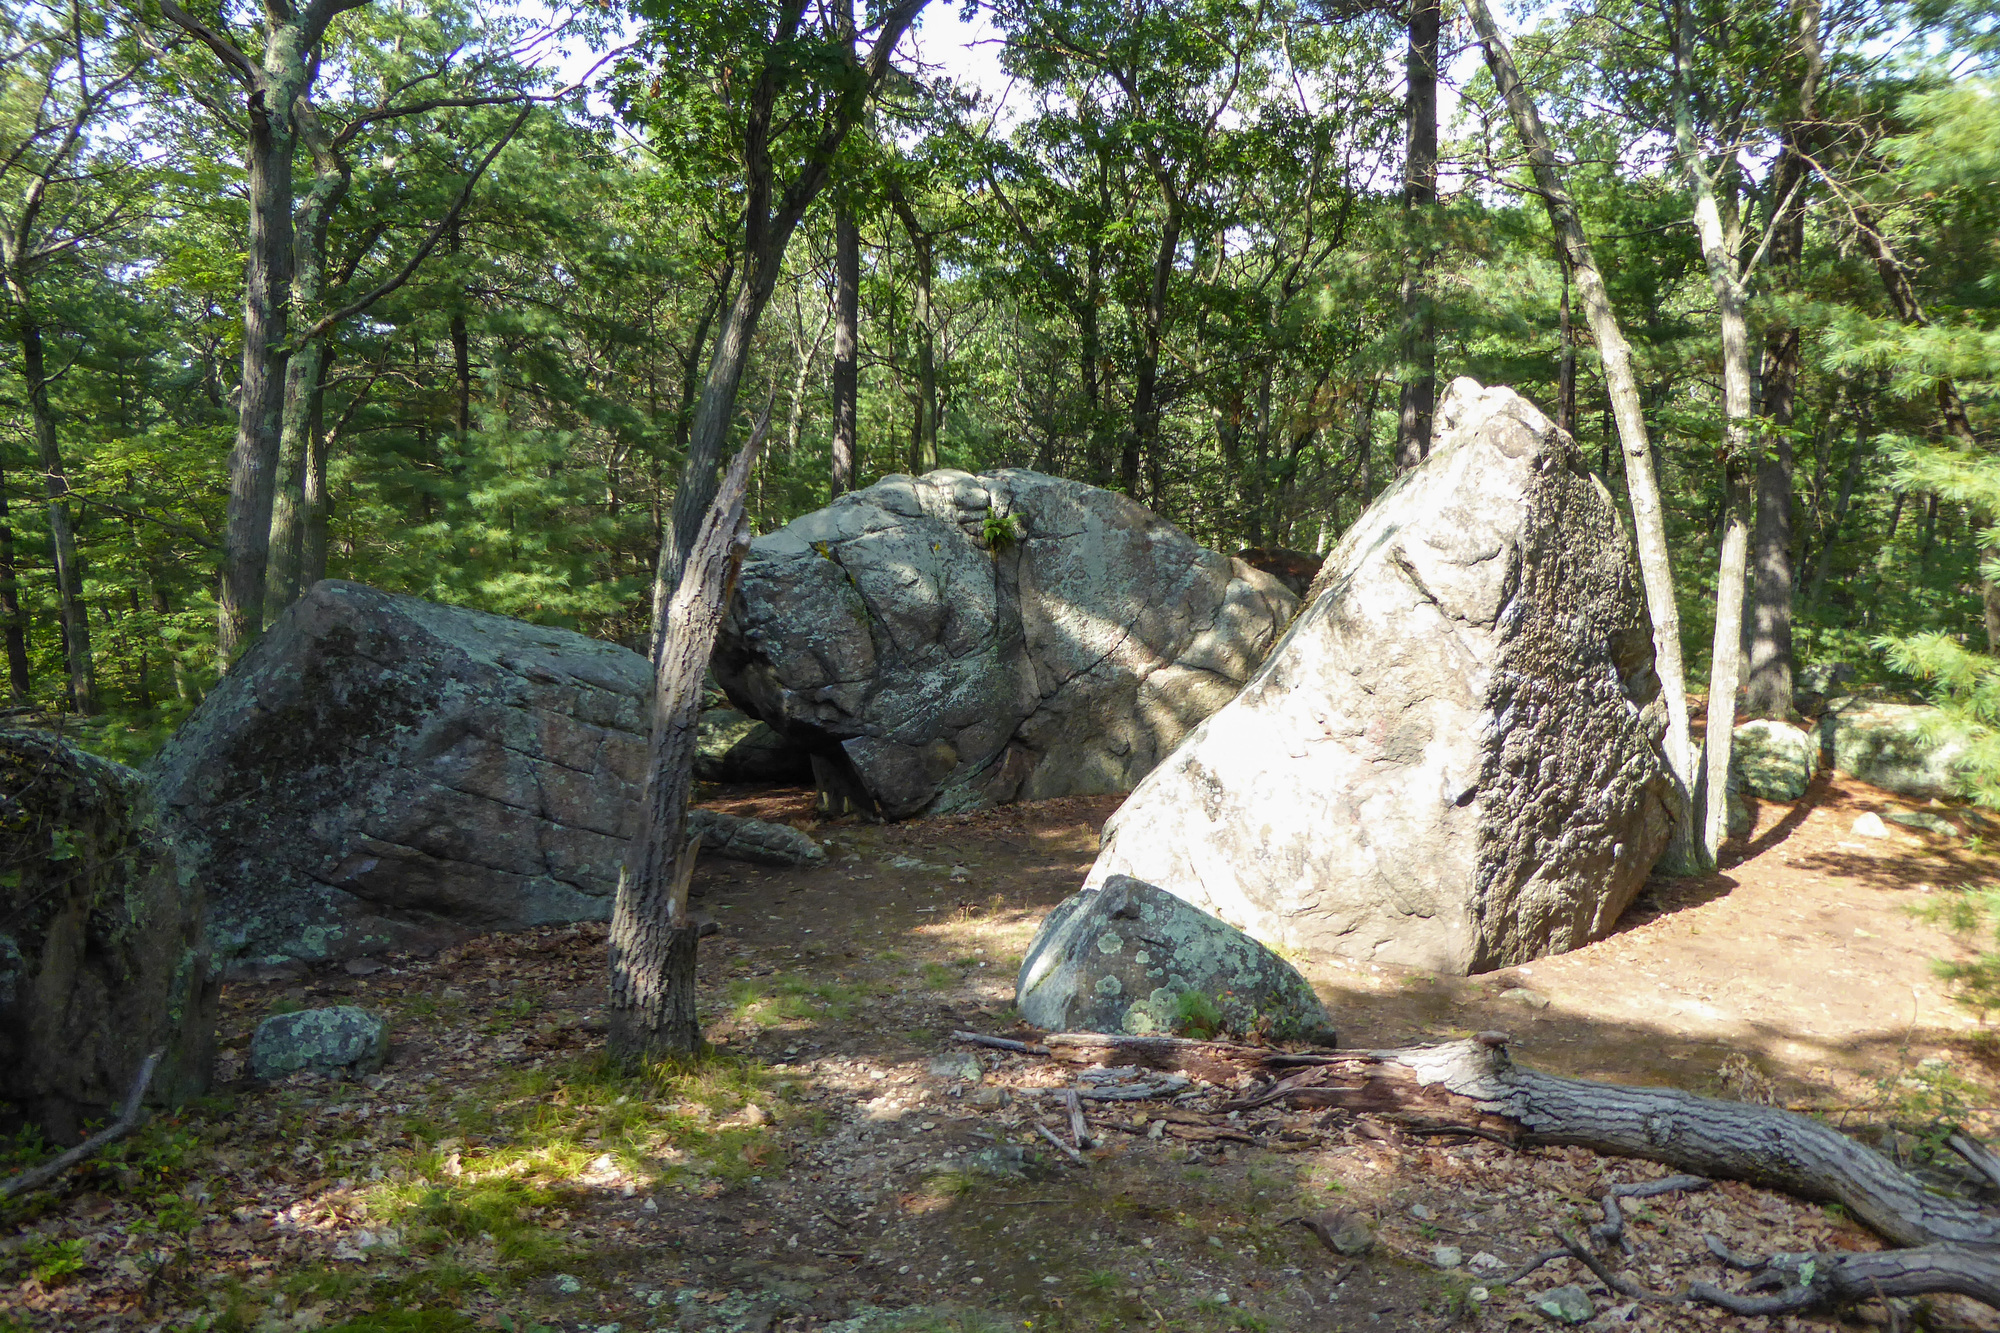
(935, 671)
(1909, 749)
(733, 747)
(103, 954)
(340, 1039)
(1773, 761)
(1452, 758)
(1923, 819)
(1567, 1305)
(1118, 958)
(380, 771)
(755, 840)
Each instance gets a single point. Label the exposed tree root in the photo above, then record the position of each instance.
(1475, 1087)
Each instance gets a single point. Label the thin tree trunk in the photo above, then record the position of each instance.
(1770, 679)
(1566, 362)
(846, 345)
(1684, 854)
(20, 686)
(1142, 440)
(62, 540)
(1419, 389)
(461, 354)
(652, 949)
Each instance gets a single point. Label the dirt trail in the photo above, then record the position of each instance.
(843, 1156)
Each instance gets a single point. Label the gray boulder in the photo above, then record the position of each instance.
(341, 1039)
(1120, 957)
(755, 840)
(1452, 758)
(953, 641)
(103, 954)
(382, 772)
(1773, 761)
(1909, 749)
(732, 747)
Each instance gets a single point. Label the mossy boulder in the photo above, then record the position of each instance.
(1772, 761)
(341, 1039)
(1131, 958)
(103, 952)
(1909, 749)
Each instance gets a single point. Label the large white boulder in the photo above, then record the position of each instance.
(1451, 759)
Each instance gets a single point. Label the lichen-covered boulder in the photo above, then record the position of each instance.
(952, 641)
(757, 841)
(1773, 761)
(1909, 749)
(732, 747)
(1121, 957)
(1452, 759)
(381, 772)
(103, 954)
(341, 1039)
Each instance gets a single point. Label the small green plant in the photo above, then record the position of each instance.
(54, 1262)
(1196, 1014)
(999, 533)
(938, 977)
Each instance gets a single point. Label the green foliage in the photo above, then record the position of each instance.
(1196, 1014)
(999, 533)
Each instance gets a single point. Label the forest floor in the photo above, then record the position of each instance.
(837, 1157)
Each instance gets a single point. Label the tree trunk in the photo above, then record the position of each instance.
(1725, 665)
(652, 948)
(20, 687)
(1419, 389)
(1684, 854)
(1864, 430)
(923, 438)
(305, 384)
(62, 541)
(1566, 364)
(1775, 584)
(267, 294)
(846, 344)
(1142, 441)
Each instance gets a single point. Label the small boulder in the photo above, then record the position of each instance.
(341, 1039)
(1567, 1305)
(757, 841)
(1773, 761)
(733, 747)
(1814, 684)
(1909, 749)
(1923, 819)
(1120, 958)
(1869, 825)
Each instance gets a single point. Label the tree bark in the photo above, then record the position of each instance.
(846, 345)
(924, 451)
(652, 947)
(1770, 676)
(62, 540)
(1419, 389)
(1864, 430)
(1142, 439)
(1566, 362)
(20, 686)
(1684, 854)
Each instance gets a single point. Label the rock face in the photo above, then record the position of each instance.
(754, 840)
(1773, 761)
(380, 771)
(1451, 760)
(736, 748)
(1908, 749)
(953, 641)
(1120, 957)
(103, 956)
(339, 1039)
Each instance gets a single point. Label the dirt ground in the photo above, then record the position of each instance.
(841, 1155)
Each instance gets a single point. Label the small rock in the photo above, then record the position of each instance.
(362, 967)
(991, 1098)
(1566, 1305)
(1001, 1161)
(1534, 999)
(1447, 1256)
(567, 1285)
(963, 1067)
(1870, 825)
(1421, 1213)
(333, 1040)
(1486, 1259)
(1345, 1233)
(1922, 819)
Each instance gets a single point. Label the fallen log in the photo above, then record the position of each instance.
(1474, 1085)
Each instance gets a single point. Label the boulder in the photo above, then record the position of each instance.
(340, 1039)
(755, 840)
(1814, 684)
(103, 955)
(379, 771)
(1773, 761)
(1909, 749)
(1120, 957)
(1452, 759)
(732, 747)
(954, 641)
